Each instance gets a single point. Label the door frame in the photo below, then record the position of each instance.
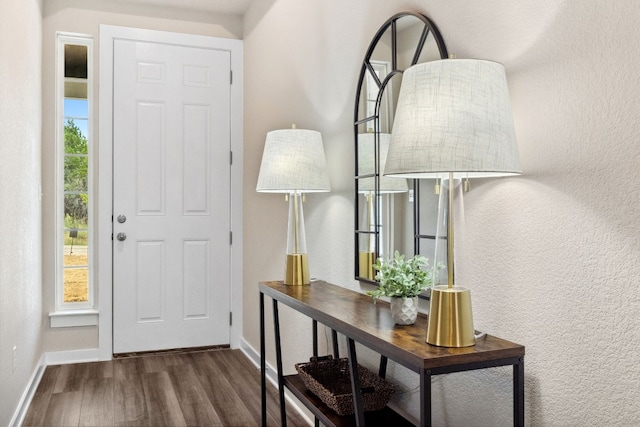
(109, 33)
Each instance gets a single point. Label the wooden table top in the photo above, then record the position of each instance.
(355, 315)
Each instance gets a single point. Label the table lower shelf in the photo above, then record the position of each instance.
(385, 417)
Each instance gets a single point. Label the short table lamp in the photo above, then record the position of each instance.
(293, 163)
(453, 121)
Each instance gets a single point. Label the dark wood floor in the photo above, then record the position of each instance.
(204, 388)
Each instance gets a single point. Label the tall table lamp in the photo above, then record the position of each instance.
(453, 121)
(293, 163)
(367, 186)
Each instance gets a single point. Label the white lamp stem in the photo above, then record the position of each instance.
(297, 269)
(450, 275)
(296, 224)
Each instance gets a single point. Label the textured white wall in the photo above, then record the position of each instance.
(20, 208)
(552, 256)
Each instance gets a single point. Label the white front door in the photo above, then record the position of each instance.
(171, 196)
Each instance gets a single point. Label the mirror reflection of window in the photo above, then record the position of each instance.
(381, 69)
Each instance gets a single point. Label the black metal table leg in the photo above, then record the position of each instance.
(382, 372)
(355, 383)
(518, 393)
(263, 364)
(315, 338)
(425, 398)
(276, 326)
(334, 337)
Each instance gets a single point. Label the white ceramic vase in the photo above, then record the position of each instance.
(404, 311)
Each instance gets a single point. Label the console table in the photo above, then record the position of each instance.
(355, 316)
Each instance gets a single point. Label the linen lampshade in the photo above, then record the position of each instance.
(293, 159)
(453, 115)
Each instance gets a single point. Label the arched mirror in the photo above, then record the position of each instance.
(390, 213)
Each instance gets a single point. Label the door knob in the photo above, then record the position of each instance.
(122, 219)
(121, 236)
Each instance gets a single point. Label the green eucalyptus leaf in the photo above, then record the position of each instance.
(400, 277)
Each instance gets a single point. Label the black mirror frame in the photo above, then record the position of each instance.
(391, 23)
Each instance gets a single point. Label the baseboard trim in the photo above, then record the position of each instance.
(272, 376)
(72, 356)
(29, 392)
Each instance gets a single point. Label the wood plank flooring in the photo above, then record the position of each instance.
(202, 388)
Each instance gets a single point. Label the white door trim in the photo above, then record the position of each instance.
(108, 34)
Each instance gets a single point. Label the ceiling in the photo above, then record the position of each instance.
(234, 7)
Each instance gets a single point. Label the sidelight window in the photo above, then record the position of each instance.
(74, 197)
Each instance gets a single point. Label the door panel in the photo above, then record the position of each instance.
(171, 180)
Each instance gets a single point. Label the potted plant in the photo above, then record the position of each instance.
(402, 280)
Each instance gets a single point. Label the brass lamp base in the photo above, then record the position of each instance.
(450, 321)
(366, 265)
(297, 270)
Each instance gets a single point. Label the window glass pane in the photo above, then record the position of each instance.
(75, 241)
(75, 61)
(75, 211)
(75, 141)
(76, 89)
(76, 283)
(76, 265)
(76, 108)
(75, 173)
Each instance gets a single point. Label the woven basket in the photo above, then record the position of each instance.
(330, 380)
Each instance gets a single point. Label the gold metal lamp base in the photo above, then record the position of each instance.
(297, 270)
(450, 321)
(367, 260)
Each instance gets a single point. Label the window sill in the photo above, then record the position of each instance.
(70, 318)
